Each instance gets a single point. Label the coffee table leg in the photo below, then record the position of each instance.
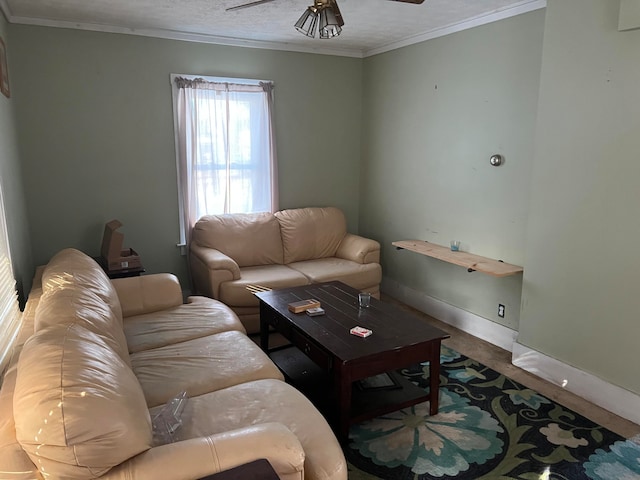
(264, 329)
(434, 378)
(342, 388)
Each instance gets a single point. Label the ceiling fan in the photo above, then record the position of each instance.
(323, 12)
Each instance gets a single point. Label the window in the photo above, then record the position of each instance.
(225, 147)
(10, 316)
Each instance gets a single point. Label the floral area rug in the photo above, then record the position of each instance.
(487, 427)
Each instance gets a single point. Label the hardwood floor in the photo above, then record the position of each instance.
(500, 360)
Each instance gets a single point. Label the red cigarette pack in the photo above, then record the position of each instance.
(360, 331)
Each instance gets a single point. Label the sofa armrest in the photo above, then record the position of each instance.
(148, 293)
(359, 249)
(202, 456)
(37, 277)
(210, 268)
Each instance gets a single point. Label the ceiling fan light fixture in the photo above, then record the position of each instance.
(330, 32)
(325, 13)
(306, 24)
(329, 24)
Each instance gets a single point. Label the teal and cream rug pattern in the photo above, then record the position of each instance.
(487, 427)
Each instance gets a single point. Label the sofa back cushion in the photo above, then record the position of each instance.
(310, 233)
(78, 408)
(14, 461)
(250, 239)
(77, 305)
(72, 269)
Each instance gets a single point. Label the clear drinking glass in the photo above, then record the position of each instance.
(364, 299)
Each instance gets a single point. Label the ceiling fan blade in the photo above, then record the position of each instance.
(247, 5)
(416, 2)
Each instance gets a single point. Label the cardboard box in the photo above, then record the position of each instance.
(116, 257)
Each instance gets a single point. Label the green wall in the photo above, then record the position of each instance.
(580, 293)
(433, 115)
(95, 126)
(11, 177)
(401, 141)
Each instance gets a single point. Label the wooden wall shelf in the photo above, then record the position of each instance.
(470, 261)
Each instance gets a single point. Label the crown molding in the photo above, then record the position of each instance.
(322, 49)
(186, 37)
(512, 11)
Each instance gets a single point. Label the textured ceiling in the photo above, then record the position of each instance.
(371, 26)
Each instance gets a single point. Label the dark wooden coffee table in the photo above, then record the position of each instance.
(399, 340)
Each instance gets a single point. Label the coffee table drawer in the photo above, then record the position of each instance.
(311, 350)
(280, 324)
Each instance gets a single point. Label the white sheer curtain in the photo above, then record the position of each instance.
(226, 149)
(10, 315)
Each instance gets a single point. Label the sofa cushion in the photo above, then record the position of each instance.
(197, 318)
(70, 268)
(250, 318)
(79, 410)
(235, 293)
(356, 275)
(265, 401)
(248, 238)
(148, 293)
(200, 366)
(76, 305)
(15, 464)
(310, 233)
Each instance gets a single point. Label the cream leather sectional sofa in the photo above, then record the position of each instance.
(96, 361)
(286, 249)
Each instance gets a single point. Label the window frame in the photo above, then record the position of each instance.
(10, 314)
(174, 98)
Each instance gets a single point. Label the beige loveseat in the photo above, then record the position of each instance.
(292, 247)
(98, 359)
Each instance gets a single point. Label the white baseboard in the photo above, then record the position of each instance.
(599, 392)
(471, 323)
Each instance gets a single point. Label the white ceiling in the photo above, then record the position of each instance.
(371, 26)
